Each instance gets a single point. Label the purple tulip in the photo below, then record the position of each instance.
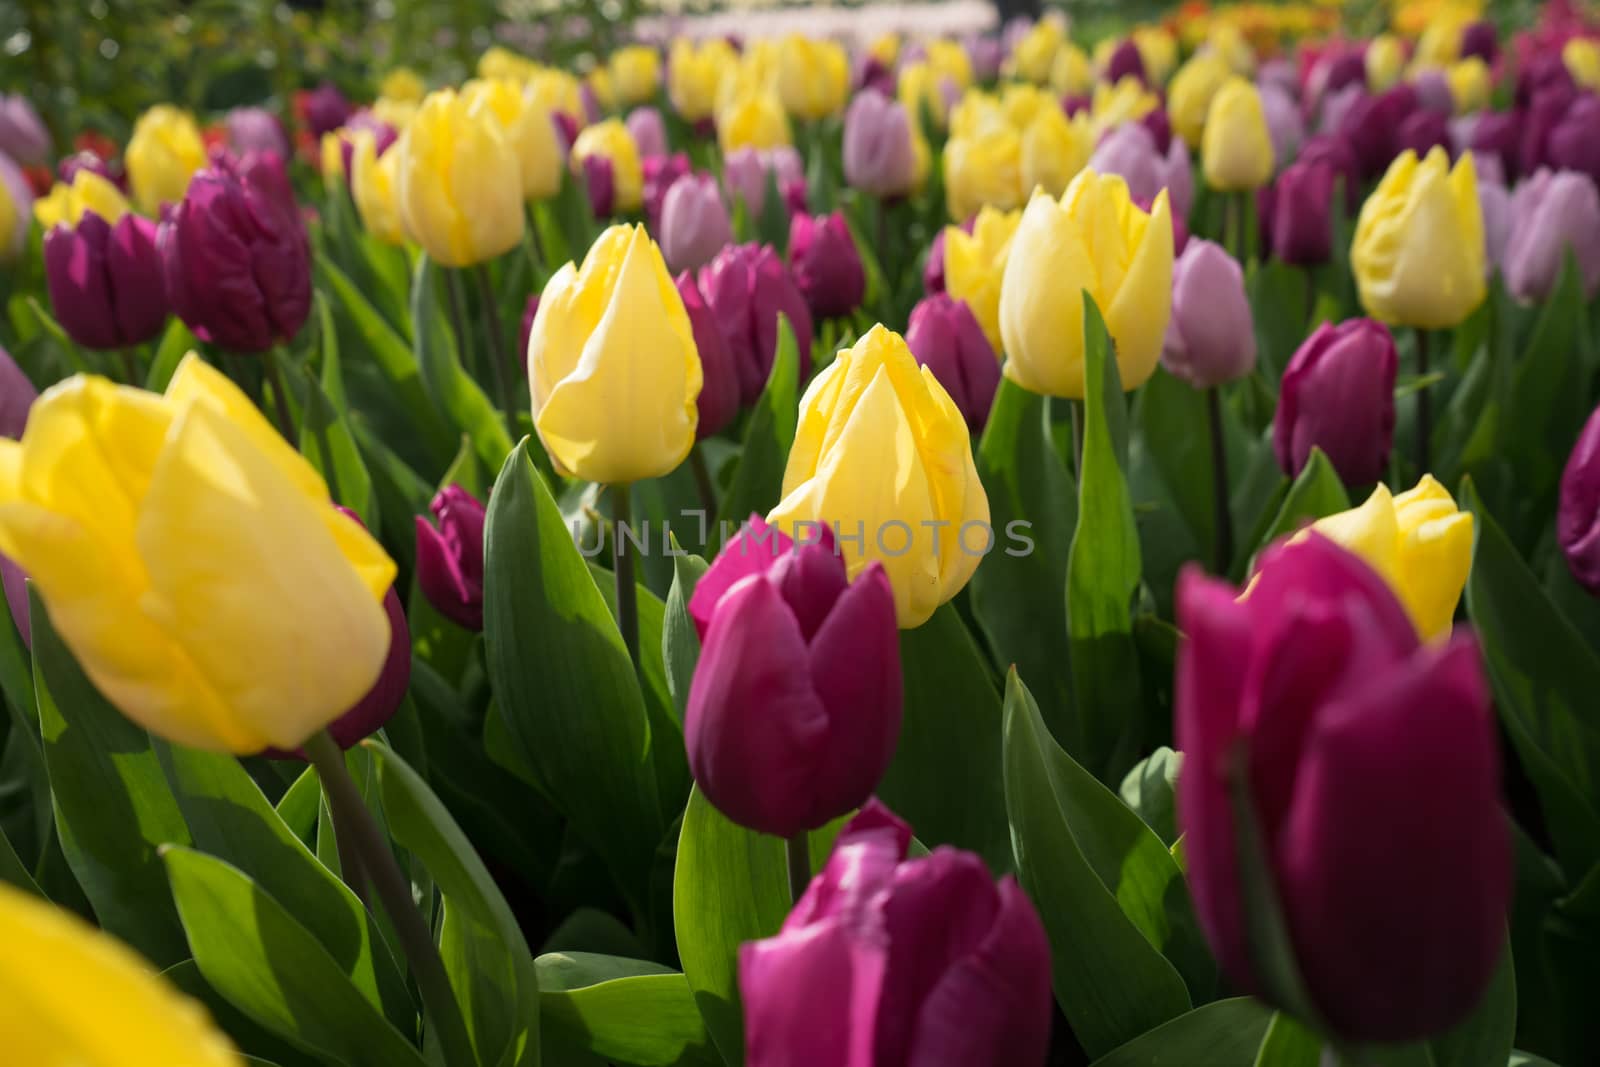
(1367, 761)
(1211, 338)
(747, 287)
(744, 174)
(255, 129)
(886, 960)
(661, 173)
(325, 109)
(1433, 92)
(1301, 221)
(1575, 141)
(1130, 151)
(1158, 124)
(986, 54)
(796, 196)
(794, 709)
(599, 181)
(1551, 213)
(1335, 71)
(21, 195)
(648, 131)
(1371, 126)
(1537, 125)
(1280, 73)
(1334, 151)
(879, 158)
(93, 162)
(1336, 107)
(933, 270)
(1284, 124)
(23, 135)
(694, 223)
(1495, 135)
(1578, 517)
(1337, 394)
(1480, 39)
(1422, 131)
(1542, 72)
(450, 558)
(17, 395)
(1494, 202)
(869, 74)
(1126, 62)
(945, 337)
(105, 281)
(719, 390)
(567, 127)
(234, 255)
(1071, 105)
(827, 264)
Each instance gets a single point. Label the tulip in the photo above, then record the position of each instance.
(1284, 124)
(945, 337)
(975, 262)
(882, 954)
(1126, 62)
(1577, 517)
(1335, 151)
(450, 558)
(1379, 775)
(373, 179)
(1130, 152)
(1543, 72)
(635, 74)
(1336, 68)
(694, 223)
(1418, 542)
(234, 256)
(1070, 73)
(1385, 62)
(746, 173)
(826, 263)
(753, 121)
(1236, 151)
(648, 131)
(324, 109)
(1337, 394)
(404, 84)
(1495, 135)
(1127, 101)
(984, 169)
(460, 182)
(1158, 52)
(1033, 56)
(173, 584)
(1481, 41)
(1210, 338)
(883, 455)
(880, 157)
(748, 287)
(1336, 108)
(1054, 150)
(1574, 142)
(1094, 241)
(1189, 95)
(794, 709)
(1470, 85)
(23, 135)
(17, 396)
(719, 391)
(1550, 214)
(1538, 123)
(1228, 41)
(1423, 131)
(604, 411)
(65, 205)
(1433, 92)
(694, 70)
(105, 281)
(67, 170)
(1418, 248)
(1300, 222)
(163, 154)
(1440, 43)
(609, 145)
(255, 129)
(526, 128)
(1372, 124)
(813, 77)
(1581, 56)
(1495, 203)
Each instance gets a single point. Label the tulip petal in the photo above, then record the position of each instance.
(752, 551)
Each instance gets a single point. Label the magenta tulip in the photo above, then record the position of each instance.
(827, 265)
(1337, 394)
(718, 402)
(1578, 517)
(748, 287)
(450, 558)
(661, 173)
(945, 337)
(105, 281)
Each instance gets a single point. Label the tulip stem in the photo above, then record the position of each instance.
(702, 481)
(622, 567)
(130, 366)
(352, 819)
(458, 321)
(1221, 512)
(798, 851)
(499, 363)
(1424, 407)
(1076, 408)
(280, 396)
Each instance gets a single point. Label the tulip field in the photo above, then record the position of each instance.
(905, 535)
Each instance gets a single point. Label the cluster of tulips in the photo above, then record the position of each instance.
(1007, 551)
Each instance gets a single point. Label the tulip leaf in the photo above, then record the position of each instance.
(1110, 894)
(177, 341)
(680, 642)
(1484, 1038)
(945, 776)
(1149, 790)
(1545, 678)
(452, 389)
(1173, 427)
(758, 479)
(624, 1010)
(112, 804)
(489, 963)
(255, 953)
(1103, 570)
(1280, 306)
(243, 1030)
(1016, 591)
(1224, 1032)
(1316, 493)
(730, 886)
(1289, 1044)
(562, 677)
(774, 220)
(325, 438)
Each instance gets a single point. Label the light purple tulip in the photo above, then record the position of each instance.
(649, 132)
(945, 337)
(879, 158)
(1495, 203)
(1551, 213)
(21, 195)
(23, 136)
(986, 54)
(694, 223)
(1433, 92)
(1284, 124)
(744, 174)
(1211, 338)
(255, 129)
(1281, 74)
(1129, 150)
(1338, 104)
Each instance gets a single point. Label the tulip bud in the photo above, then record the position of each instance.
(609, 143)
(373, 180)
(694, 223)
(899, 949)
(527, 129)
(975, 259)
(635, 74)
(1433, 92)
(748, 286)
(827, 264)
(1130, 152)
(755, 120)
(1189, 96)
(460, 182)
(648, 131)
(613, 365)
(794, 709)
(661, 173)
(23, 135)
(89, 192)
(105, 281)
(93, 162)
(946, 338)
(813, 76)
(1481, 40)
(1300, 224)
(719, 390)
(1422, 131)
(1284, 124)
(163, 154)
(1471, 85)
(324, 109)
(1329, 775)
(1211, 338)
(1574, 142)
(879, 156)
(1578, 517)
(1334, 151)
(1496, 135)
(1337, 394)
(1126, 62)
(694, 70)
(984, 168)
(1054, 149)
(1372, 124)
(1551, 213)
(1385, 62)
(255, 129)
(1236, 151)
(450, 558)
(745, 174)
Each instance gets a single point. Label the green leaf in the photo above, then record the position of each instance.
(13, 870)
(680, 643)
(1279, 309)
(1016, 591)
(246, 1034)
(1099, 878)
(325, 437)
(490, 965)
(1484, 1038)
(563, 679)
(1289, 1044)
(1148, 789)
(628, 1011)
(452, 389)
(1315, 494)
(1102, 573)
(730, 886)
(258, 955)
(1223, 1033)
(176, 342)
(112, 804)
(758, 479)
(945, 776)
(774, 220)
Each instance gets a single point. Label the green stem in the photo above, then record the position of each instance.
(498, 360)
(130, 367)
(280, 396)
(1424, 408)
(1221, 512)
(798, 853)
(1076, 407)
(319, 417)
(458, 321)
(702, 482)
(352, 819)
(622, 566)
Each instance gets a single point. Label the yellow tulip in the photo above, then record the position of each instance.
(193, 562)
(1035, 54)
(1095, 240)
(460, 183)
(974, 264)
(1158, 49)
(924, 160)
(1418, 253)
(397, 113)
(330, 159)
(1236, 148)
(1070, 74)
(976, 111)
(755, 121)
(1418, 541)
(1470, 85)
(72, 996)
(885, 48)
(88, 192)
(1385, 62)
(528, 128)
(556, 90)
(635, 74)
(1440, 44)
(372, 184)
(162, 156)
(1021, 104)
(604, 89)
(500, 62)
(1581, 56)
(10, 240)
(611, 140)
(883, 455)
(1189, 95)
(403, 84)
(1054, 149)
(921, 88)
(1127, 101)
(1227, 42)
(985, 168)
(693, 74)
(950, 59)
(813, 77)
(613, 366)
